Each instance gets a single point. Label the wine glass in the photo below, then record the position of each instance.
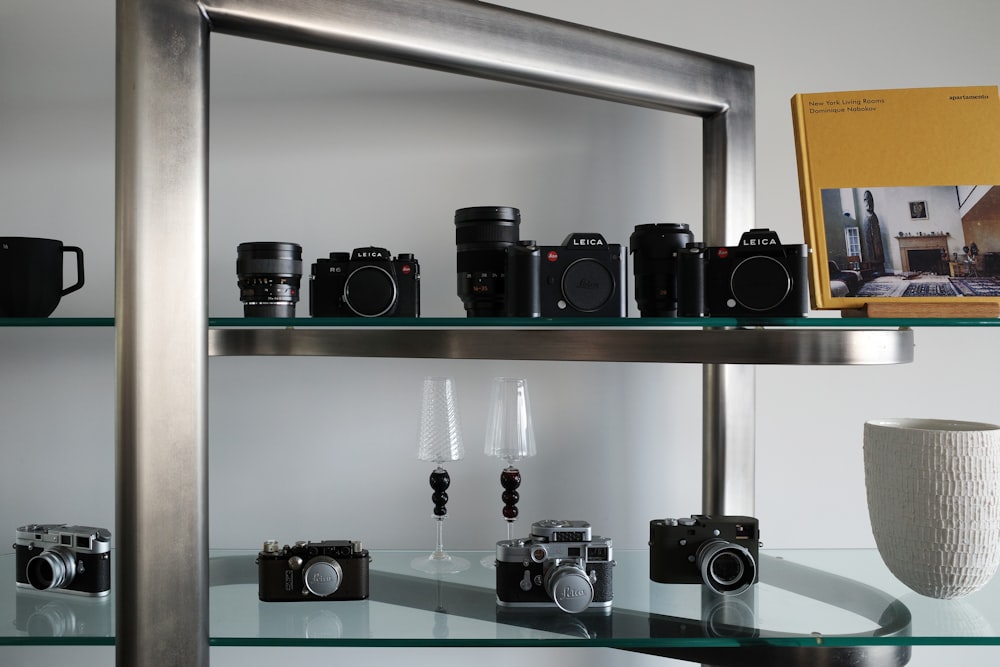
(440, 440)
(511, 437)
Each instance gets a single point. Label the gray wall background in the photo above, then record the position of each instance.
(334, 152)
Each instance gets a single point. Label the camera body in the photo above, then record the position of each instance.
(757, 278)
(367, 283)
(719, 551)
(560, 564)
(583, 277)
(327, 570)
(59, 557)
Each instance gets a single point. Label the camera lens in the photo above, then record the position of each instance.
(725, 567)
(54, 568)
(587, 285)
(654, 264)
(322, 576)
(268, 276)
(569, 587)
(370, 291)
(482, 236)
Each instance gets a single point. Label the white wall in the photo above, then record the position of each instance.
(334, 152)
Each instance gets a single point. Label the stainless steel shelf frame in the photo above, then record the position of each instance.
(161, 211)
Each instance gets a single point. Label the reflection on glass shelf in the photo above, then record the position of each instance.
(806, 598)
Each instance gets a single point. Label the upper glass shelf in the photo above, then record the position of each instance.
(806, 598)
(819, 321)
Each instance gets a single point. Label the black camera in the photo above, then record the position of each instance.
(328, 570)
(584, 277)
(558, 564)
(759, 277)
(719, 551)
(368, 283)
(268, 275)
(58, 557)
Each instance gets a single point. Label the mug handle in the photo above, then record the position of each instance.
(79, 269)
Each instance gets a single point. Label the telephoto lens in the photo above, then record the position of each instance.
(482, 236)
(654, 263)
(268, 275)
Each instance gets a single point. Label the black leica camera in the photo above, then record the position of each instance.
(558, 564)
(268, 275)
(719, 551)
(57, 557)
(500, 275)
(760, 277)
(584, 277)
(368, 283)
(328, 570)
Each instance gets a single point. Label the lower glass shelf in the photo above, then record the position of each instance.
(806, 598)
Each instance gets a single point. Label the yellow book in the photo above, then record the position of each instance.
(900, 194)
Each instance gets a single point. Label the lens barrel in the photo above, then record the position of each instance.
(654, 264)
(726, 568)
(54, 568)
(268, 275)
(482, 236)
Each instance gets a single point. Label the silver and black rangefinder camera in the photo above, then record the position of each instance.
(719, 551)
(559, 564)
(327, 570)
(57, 557)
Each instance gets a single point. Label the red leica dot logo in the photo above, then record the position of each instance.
(552, 256)
(723, 253)
(406, 269)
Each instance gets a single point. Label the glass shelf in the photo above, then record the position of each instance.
(57, 321)
(532, 323)
(806, 599)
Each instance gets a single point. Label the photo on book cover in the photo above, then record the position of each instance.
(912, 241)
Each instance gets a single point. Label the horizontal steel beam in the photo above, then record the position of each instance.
(719, 346)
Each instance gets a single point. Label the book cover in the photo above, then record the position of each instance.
(900, 193)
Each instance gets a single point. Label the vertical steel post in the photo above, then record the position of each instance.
(161, 534)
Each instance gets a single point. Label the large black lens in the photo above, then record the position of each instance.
(268, 276)
(482, 236)
(654, 263)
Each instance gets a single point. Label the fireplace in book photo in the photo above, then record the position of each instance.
(923, 254)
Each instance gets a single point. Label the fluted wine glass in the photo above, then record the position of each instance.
(510, 437)
(440, 441)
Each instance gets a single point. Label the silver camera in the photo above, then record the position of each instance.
(559, 564)
(54, 556)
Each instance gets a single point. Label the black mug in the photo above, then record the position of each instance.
(31, 275)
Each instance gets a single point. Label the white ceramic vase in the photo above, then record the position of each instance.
(934, 501)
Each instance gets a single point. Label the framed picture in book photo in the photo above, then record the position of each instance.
(872, 167)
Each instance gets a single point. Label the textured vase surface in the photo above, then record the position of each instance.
(934, 501)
